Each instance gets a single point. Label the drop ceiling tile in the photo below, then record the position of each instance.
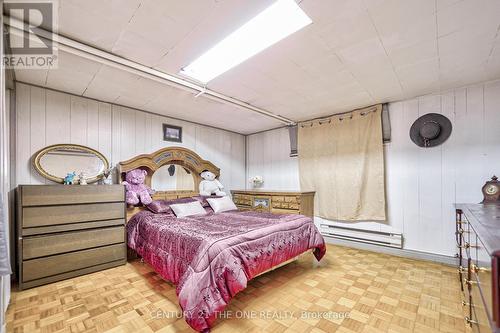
(110, 83)
(324, 67)
(323, 12)
(235, 89)
(463, 49)
(341, 78)
(34, 76)
(95, 22)
(442, 4)
(363, 53)
(146, 50)
(469, 14)
(371, 67)
(463, 76)
(156, 28)
(493, 65)
(414, 54)
(344, 31)
(419, 79)
(304, 47)
(392, 10)
(250, 77)
(141, 92)
(405, 30)
(73, 73)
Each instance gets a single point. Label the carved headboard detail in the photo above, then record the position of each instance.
(166, 156)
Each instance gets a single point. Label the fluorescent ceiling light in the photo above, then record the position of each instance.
(276, 22)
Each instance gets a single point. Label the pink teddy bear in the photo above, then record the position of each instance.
(137, 191)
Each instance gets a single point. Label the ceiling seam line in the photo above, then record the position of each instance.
(437, 44)
(385, 50)
(493, 45)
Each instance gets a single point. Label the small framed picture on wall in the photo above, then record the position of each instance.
(172, 133)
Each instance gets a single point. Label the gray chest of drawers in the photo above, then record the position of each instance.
(478, 243)
(67, 230)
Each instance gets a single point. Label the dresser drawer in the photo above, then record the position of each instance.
(285, 211)
(244, 208)
(241, 199)
(49, 229)
(57, 264)
(41, 246)
(53, 215)
(65, 195)
(292, 199)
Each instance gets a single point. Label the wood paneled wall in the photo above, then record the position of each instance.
(422, 184)
(46, 117)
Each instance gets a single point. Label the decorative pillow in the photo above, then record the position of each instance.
(203, 199)
(163, 206)
(221, 204)
(188, 209)
(159, 207)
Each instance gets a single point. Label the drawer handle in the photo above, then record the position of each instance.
(470, 321)
(464, 303)
(477, 269)
(467, 245)
(470, 282)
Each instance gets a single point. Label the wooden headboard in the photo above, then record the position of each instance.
(166, 156)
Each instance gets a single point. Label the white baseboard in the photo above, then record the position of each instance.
(439, 258)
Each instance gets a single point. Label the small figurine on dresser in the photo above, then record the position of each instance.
(210, 185)
(81, 179)
(70, 178)
(491, 191)
(137, 191)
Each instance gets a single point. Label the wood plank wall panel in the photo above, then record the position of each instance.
(421, 184)
(48, 117)
(37, 127)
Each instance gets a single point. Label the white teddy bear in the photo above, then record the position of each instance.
(210, 185)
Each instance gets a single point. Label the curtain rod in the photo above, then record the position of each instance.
(328, 119)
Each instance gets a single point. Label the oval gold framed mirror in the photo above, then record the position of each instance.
(54, 162)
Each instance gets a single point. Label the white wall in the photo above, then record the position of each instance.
(45, 117)
(422, 184)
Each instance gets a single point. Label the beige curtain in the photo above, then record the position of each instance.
(342, 159)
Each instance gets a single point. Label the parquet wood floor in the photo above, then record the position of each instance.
(380, 293)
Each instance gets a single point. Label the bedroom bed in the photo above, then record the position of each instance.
(211, 257)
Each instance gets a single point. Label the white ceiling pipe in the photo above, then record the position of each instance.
(94, 54)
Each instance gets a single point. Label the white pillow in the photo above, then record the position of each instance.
(188, 209)
(221, 204)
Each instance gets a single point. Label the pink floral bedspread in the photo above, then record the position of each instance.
(211, 258)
